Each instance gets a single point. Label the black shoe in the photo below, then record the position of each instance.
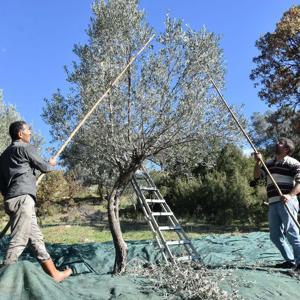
(285, 265)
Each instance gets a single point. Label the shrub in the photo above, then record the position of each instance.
(52, 188)
(2, 211)
(220, 195)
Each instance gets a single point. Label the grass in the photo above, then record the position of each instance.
(69, 234)
(88, 234)
(78, 230)
(86, 222)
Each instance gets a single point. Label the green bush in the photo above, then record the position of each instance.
(220, 196)
(2, 211)
(54, 187)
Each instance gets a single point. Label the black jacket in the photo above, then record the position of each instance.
(17, 170)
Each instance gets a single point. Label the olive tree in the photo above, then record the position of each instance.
(164, 105)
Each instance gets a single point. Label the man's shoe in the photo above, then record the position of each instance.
(285, 265)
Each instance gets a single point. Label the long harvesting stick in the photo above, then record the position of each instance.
(62, 148)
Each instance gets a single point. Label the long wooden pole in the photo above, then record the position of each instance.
(251, 144)
(62, 148)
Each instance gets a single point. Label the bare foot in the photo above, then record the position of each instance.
(60, 276)
(51, 270)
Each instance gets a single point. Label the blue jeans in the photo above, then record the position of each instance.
(283, 228)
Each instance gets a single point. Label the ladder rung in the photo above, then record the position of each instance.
(162, 214)
(180, 242)
(139, 175)
(155, 200)
(170, 227)
(183, 258)
(142, 184)
(144, 188)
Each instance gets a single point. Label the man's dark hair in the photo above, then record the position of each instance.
(288, 144)
(15, 128)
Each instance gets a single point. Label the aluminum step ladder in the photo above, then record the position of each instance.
(161, 220)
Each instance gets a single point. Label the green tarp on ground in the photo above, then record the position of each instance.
(26, 279)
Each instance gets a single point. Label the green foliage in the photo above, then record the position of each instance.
(9, 114)
(54, 187)
(182, 195)
(2, 211)
(277, 70)
(277, 74)
(219, 196)
(267, 128)
(163, 104)
(73, 186)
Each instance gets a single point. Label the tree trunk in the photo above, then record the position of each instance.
(114, 221)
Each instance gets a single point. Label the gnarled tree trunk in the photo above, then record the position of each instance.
(114, 220)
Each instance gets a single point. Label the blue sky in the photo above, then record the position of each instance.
(37, 39)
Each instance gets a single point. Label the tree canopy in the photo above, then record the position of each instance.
(277, 73)
(9, 114)
(277, 69)
(163, 103)
(163, 106)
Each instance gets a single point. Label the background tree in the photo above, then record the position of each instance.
(163, 104)
(268, 127)
(278, 65)
(220, 195)
(277, 73)
(9, 114)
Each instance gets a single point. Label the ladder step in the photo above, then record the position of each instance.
(139, 175)
(170, 228)
(180, 242)
(184, 258)
(162, 214)
(155, 200)
(145, 188)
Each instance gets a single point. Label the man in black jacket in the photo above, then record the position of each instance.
(18, 186)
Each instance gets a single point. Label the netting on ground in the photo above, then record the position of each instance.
(248, 255)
